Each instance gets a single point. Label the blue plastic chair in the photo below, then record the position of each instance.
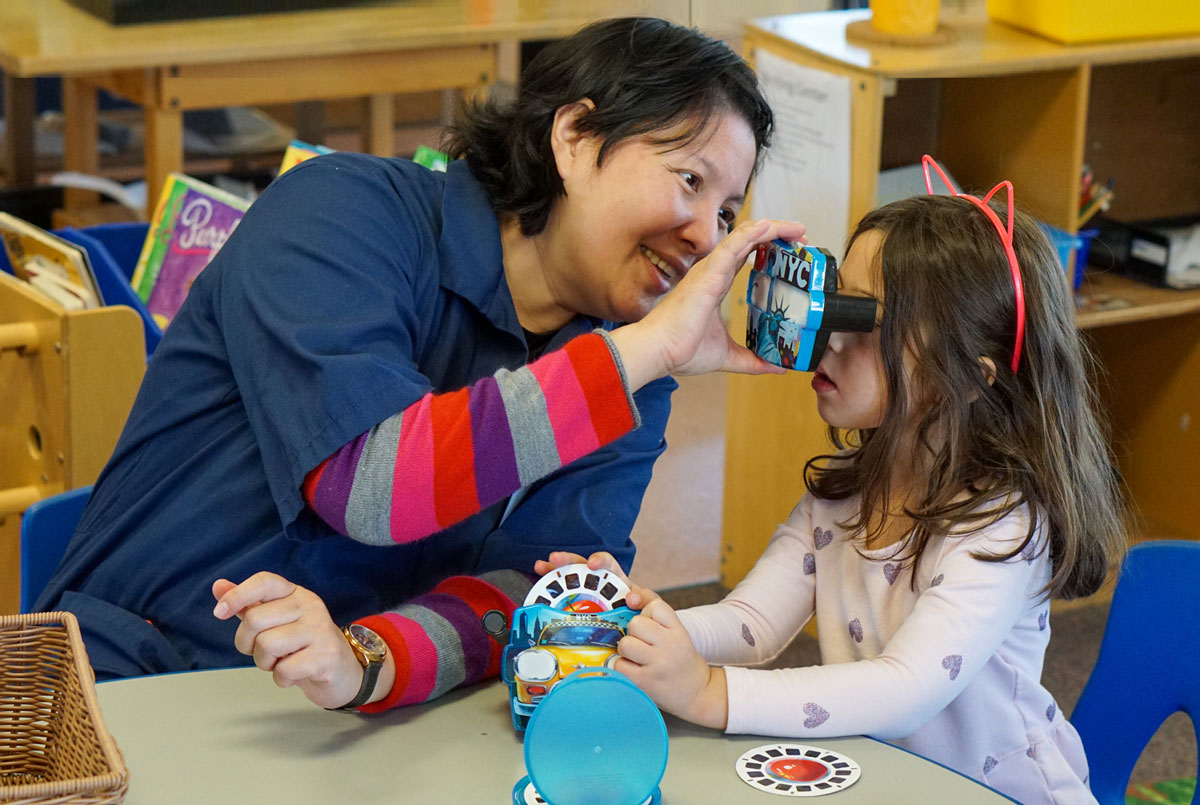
(1147, 669)
(46, 529)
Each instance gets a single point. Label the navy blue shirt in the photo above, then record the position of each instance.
(352, 287)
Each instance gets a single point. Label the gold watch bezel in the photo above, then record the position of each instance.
(365, 654)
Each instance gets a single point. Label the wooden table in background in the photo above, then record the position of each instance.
(372, 51)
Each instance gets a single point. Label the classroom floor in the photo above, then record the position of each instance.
(679, 537)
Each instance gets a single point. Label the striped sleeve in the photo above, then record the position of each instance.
(449, 455)
(437, 640)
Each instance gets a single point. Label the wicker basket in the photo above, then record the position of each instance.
(54, 747)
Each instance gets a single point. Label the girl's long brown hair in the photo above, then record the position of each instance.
(1033, 438)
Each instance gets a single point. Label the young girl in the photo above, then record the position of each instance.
(972, 484)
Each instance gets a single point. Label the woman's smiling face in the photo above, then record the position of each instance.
(627, 232)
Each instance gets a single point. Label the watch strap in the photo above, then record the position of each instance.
(370, 677)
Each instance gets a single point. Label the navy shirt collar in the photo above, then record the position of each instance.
(471, 258)
(472, 265)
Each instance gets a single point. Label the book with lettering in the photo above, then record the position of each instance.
(192, 221)
(59, 269)
(298, 151)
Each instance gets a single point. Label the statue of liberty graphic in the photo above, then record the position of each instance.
(768, 332)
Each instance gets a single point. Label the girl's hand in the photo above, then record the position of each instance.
(657, 654)
(289, 632)
(641, 597)
(684, 333)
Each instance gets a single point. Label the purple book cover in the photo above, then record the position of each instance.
(202, 227)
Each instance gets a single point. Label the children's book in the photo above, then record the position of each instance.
(62, 270)
(298, 151)
(192, 221)
(431, 158)
(46, 279)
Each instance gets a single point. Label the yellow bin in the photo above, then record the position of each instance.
(1071, 21)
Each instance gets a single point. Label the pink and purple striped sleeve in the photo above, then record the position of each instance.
(447, 456)
(437, 640)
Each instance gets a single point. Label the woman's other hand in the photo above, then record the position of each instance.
(289, 632)
(684, 334)
(601, 560)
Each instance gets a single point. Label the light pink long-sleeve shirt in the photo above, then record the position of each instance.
(949, 669)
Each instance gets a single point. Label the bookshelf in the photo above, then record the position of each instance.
(999, 103)
(69, 381)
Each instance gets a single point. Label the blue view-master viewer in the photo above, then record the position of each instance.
(794, 305)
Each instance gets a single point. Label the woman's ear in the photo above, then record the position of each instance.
(568, 141)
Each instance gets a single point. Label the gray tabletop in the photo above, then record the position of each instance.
(232, 736)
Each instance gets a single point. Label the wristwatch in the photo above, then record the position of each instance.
(370, 650)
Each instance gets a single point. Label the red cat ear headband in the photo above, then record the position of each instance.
(1006, 238)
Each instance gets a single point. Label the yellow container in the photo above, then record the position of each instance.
(905, 17)
(1071, 21)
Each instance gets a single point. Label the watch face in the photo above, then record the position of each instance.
(373, 643)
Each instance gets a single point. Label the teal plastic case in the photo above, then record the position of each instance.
(596, 739)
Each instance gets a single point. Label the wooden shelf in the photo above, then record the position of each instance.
(980, 48)
(1147, 301)
(68, 390)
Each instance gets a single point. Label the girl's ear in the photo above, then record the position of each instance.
(567, 141)
(988, 367)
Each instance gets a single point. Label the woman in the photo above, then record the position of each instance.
(353, 363)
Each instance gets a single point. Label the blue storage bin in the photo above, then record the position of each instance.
(1064, 243)
(114, 250)
(1081, 254)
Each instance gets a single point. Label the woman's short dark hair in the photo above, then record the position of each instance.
(644, 75)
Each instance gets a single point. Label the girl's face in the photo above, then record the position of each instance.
(850, 383)
(628, 231)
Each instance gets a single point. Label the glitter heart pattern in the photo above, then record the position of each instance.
(822, 537)
(856, 630)
(817, 715)
(953, 664)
